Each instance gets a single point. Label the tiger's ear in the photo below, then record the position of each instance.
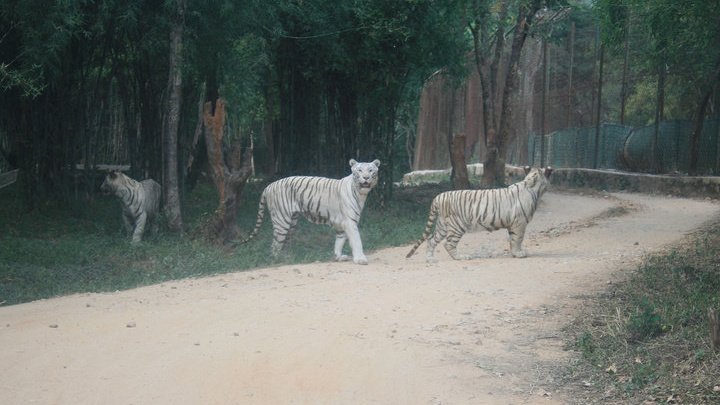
(376, 162)
(548, 172)
(527, 169)
(353, 162)
(113, 174)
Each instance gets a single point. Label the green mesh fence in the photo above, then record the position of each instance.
(627, 148)
(673, 148)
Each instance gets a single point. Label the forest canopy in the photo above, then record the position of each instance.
(314, 83)
(310, 84)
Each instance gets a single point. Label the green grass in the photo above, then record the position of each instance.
(647, 338)
(82, 247)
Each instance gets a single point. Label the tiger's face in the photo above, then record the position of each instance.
(533, 176)
(365, 175)
(111, 182)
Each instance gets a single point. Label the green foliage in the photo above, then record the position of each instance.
(648, 336)
(26, 80)
(82, 247)
(586, 346)
(645, 322)
(247, 64)
(662, 35)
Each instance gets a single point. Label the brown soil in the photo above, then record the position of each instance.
(398, 331)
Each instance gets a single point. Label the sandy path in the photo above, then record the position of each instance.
(398, 331)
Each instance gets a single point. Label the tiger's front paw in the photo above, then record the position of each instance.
(342, 258)
(519, 254)
(360, 260)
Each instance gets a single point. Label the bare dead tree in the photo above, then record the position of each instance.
(229, 172)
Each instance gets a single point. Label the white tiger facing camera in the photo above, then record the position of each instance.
(338, 203)
(139, 200)
(452, 213)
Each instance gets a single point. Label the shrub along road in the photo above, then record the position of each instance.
(398, 331)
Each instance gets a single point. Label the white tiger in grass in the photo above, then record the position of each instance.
(320, 200)
(455, 212)
(140, 201)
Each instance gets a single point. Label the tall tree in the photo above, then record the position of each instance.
(172, 119)
(491, 23)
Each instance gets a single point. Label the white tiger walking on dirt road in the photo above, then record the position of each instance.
(320, 200)
(455, 212)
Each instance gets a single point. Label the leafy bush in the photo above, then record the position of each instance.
(645, 322)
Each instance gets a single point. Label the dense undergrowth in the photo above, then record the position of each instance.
(82, 247)
(647, 339)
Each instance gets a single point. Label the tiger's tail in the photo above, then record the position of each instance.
(259, 221)
(428, 229)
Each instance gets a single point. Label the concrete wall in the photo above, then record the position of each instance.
(609, 180)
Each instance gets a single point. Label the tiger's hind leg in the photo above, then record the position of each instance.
(434, 239)
(282, 229)
(451, 243)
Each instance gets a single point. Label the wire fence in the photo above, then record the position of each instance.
(630, 148)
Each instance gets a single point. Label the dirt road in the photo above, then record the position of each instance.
(398, 331)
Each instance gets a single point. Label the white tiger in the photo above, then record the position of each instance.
(140, 201)
(320, 200)
(459, 211)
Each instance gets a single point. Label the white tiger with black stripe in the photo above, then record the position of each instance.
(140, 201)
(320, 200)
(455, 212)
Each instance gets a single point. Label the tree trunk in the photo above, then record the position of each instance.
(172, 114)
(456, 144)
(659, 112)
(459, 167)
(190, 169)
(494, 164)
(714, 329)
(700, 121)
(598, 111)
(697, 131)
(229, 177)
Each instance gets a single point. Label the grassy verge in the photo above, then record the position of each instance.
(647, 339)
(81, 247)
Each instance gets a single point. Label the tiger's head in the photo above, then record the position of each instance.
(112, 181)
(537, 177)
(365, 175)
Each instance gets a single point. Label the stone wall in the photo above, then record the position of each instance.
(609, 180)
